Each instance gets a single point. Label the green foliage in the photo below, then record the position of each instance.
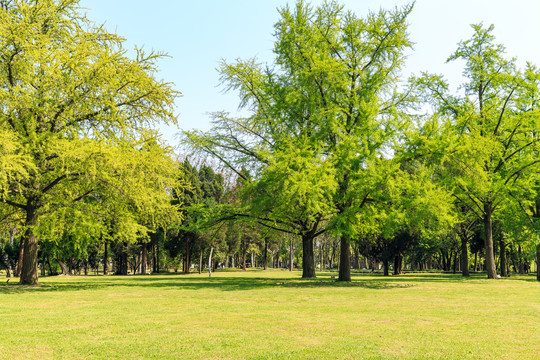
(75, 118)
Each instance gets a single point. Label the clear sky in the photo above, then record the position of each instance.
(197, 34)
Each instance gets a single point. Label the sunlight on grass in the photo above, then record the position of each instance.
(271, 315)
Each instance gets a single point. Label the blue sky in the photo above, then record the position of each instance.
(197, 34)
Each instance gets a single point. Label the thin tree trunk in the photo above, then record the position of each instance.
(210, 262)
(265, 254)
(521, 268)
(476, 261)
(455, 262)
(244, 250)
(345, 260)
(187, 259)
(106, 259)
(464, 257)
(291, 257)
(488, 242)
(144, 256)
(502, 256)
(154, 259)
(17, 271)
(200, 262)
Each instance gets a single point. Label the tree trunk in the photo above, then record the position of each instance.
(502, 256)
(17, 270)
(28, 270)
(121, 259)
(106, 259)
(455, 262)
(265, 254)
(210, 262)
(521, 268)
(200, 262)
(464, 257)
(187, 258)
(63, 266)
(308, 257)
(291, 255)
(488, 242)
(345, 260)
(396, 265)
(244, 250)
(357, 256)
(144, 256)
(385, 267)
(476, 261)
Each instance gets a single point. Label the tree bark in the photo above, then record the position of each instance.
(187, 258)
(244, 249)
(345, 260)
(464, 257)
(396, 265)
(200, 262)
(17, 270)
(63, 266)
(385, 267)
(308, 257)
(291, 256)
(106, 259)
(521, 268)
(210, 262)
(122, 260)
(144, 256)
(154, 259)
(488, 242)
(502, 248)
(265, 254)
(29, 270)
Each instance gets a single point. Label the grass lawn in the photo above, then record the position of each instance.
(271, 315)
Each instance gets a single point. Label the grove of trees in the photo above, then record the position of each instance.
(339, 163)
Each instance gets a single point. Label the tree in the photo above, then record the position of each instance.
(489, 133)
(76, 108)
(319, 114)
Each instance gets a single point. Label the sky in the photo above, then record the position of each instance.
(198, 34)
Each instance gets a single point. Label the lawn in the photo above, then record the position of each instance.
(271, 315)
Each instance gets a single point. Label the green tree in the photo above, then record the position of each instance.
(320, 114)
(488, 134)
(76, 107)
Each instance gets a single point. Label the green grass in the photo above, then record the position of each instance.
(271, 315)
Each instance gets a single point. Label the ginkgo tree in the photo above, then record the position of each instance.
(75, 113)
(319, 115)
(486, 137)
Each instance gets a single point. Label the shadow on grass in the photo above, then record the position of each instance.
(224, 282)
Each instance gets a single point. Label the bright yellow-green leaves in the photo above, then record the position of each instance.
(76, 112)
(321, 116)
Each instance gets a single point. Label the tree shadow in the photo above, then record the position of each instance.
(237, 283)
